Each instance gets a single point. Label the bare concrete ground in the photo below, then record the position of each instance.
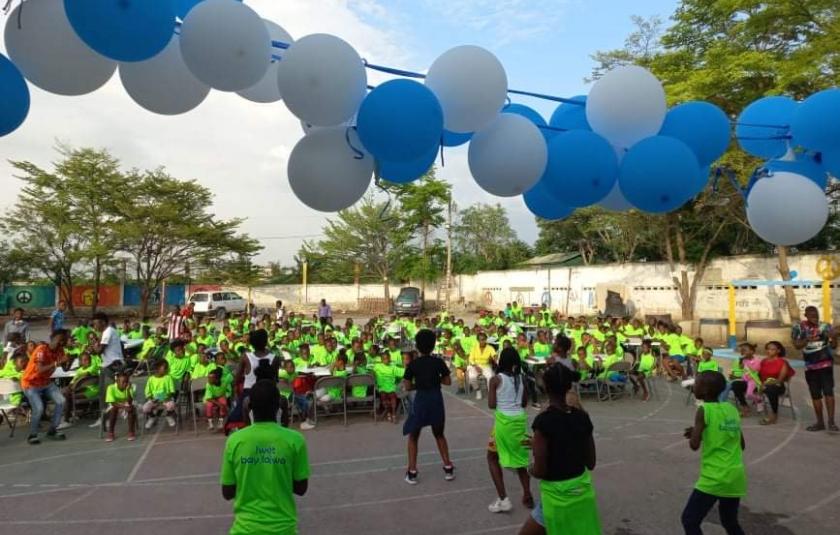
(168, 483)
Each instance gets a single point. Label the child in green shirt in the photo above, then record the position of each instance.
(160, 396)
(644, 367)
(120, 399)
(339, 369)
(215, 400)
(723, 479)
(14, 370)
(387, 375)
(203, 366)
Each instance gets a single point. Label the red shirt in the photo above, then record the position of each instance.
(43, 355)
(771, 368)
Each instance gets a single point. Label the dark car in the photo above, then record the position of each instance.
(409, 302)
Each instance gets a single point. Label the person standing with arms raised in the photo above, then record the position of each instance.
(817, 340)
(424, 375)
(263, 467)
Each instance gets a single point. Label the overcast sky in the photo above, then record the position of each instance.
(239, 149)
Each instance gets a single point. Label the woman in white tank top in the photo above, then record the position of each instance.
(507, 447)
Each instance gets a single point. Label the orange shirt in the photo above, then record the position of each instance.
(42, 355)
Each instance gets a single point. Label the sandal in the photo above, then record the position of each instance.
(765, 421)
(833, 427)
(814, 428)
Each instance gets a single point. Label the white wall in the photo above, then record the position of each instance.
(647, 288)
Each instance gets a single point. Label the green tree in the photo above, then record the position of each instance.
(45, 233)
(166, 223)
(423, 204)
(92, 178)
(371, 235)
(484, 240)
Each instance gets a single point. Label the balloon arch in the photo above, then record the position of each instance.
(619, 147)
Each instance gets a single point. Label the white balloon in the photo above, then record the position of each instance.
(322, 80)
(471, 84)
(326, 173)
(786, 209)
(306, 127)
(615, 201)
(225, 44)
(48, 52)
(163, 84)
(626, 106)
(509, 156)
(267, 90)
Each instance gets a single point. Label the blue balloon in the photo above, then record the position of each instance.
(805, 165)
(831, 162)
(570, 116)
(816, 123)
(582, 167)
(532, 115)
(123, 30)
(794, 274)
(400, 121)
(14, 106)
(766, 118)
(658, 174)
(454, 139)
(544, 204)
(405, 172)
(702, 126)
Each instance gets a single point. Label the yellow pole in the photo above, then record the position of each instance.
(826, 301)
(733, 332)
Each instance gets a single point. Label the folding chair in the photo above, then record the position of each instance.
(7, 388)
(323, 384)
(196, 386)
(360, 380)
(620, 387)
(585, 386)
(784, 397)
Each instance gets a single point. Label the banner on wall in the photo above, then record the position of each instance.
(27, 297)
(174, 295)
(83, 296)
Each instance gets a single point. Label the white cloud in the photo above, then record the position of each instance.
(506, 21)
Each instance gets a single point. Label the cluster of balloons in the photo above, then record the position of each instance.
(619, 147)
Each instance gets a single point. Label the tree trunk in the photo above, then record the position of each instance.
(144, 300)
(97, 276)
(790, 296)
(425, 262)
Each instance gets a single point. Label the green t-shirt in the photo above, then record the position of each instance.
(736, 371)
(386, 377)
(114, 395)
(337, 392)
(213, 392)
(708, 366)
(263, 460)
(674, 342)
(722, 470)
(688, 346)
(160, 388)
(81, 334)
(208, 341)
(178, 366)
(542, 351)
(318, 355)
(646, 364)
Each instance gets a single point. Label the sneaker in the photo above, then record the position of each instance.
(64, 425)
(220, 424)
(170, 421)
(306, 425)
(52, 434)
(478, 395)
(411, 477)
(449, 472)
(110, 437)
(500, 506)
(131, 437)
(96, 424)
(150, 422)
(33, 439)
(210, 426)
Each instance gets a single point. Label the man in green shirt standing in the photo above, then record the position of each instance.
(264, 465)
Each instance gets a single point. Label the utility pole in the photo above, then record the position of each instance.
(449, 254)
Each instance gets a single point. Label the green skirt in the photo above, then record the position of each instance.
(509, 433)
(569, 507)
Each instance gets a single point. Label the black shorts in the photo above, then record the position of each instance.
(427, 410)
(820, 382)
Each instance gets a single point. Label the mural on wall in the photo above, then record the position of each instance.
(84, 295)
(174, 295)
(29, 296)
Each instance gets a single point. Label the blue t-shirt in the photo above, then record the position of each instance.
(57, 320)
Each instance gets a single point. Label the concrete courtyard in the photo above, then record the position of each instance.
(169, 483)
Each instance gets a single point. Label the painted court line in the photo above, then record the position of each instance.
(142, 458)
(71, 503)
(66, 455)
(509, 528)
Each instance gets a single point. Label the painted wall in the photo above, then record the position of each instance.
(175, 295)
(647, 288)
